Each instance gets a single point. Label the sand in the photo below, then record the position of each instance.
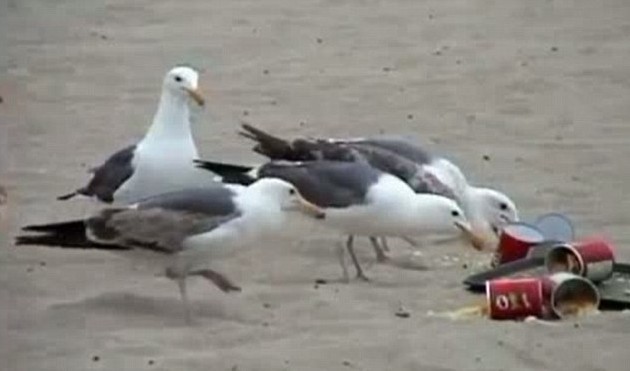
(540, 88)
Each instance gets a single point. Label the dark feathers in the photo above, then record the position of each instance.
(108, 177)
(69, 234)
(159, 223)
(298, 150)
(377, 153)
(326, 183)
(162, 223)
(231, 174)
(402, 148)
(396, 156)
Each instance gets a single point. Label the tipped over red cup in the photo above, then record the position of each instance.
(592, 257)
(567, 294)
(515, 242)
(514, 298)
(557, 295)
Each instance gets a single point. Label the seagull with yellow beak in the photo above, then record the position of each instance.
(163, 160)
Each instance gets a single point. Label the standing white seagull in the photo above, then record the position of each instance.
(162, 161)
(190, 228)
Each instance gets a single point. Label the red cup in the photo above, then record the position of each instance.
(514, 298)
(567, 294)
(515, 242)
(592, 258)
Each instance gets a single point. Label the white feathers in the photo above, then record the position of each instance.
(163, 160)
(393, 209)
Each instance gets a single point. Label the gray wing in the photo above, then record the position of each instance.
(326, 183)
(162, 223)
(108, 177)
(424, 181)
(276, 148)
(386, 161)
(417, 175)
(397, 156)
(400, 146)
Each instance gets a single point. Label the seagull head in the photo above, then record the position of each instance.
(495, 209)
(183, 81)
(441, 214)
(286, 196)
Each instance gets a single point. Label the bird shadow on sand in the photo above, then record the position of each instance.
(131, 306)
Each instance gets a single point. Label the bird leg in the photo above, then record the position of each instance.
(341, 254)
(222, 282)
(380, 246)
(384, 244)
(355, 261)
(379, 249)
(181, 283)
(180, 278)
(410, 241)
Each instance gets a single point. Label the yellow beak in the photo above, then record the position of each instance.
(309, 208)
(195, 94)
(477, 241)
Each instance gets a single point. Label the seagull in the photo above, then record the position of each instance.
(488, 210)
(359, 199)
(190, 228)
(162, 161)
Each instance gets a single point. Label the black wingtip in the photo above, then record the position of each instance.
(71, 226)
(220, 167)
(27, 240)
(229, 173)
(64, 242)
(266, 144)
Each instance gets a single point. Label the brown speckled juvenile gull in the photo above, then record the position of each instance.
(190, 228)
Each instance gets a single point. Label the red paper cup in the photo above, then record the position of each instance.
(515, 242)
(567, 294)
(592, 258)
(514, 298)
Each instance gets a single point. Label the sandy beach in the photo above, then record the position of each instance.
(529, 97)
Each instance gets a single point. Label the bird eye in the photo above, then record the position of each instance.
(292, 191)
(178, 78)
(455, 213)
(503, 206)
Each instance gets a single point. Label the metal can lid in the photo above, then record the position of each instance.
(555, 227)
(524, 232)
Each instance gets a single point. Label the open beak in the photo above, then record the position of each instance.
(476, 240)
(309, 208)
(195, 94)
(504, 220)
(496, 230)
